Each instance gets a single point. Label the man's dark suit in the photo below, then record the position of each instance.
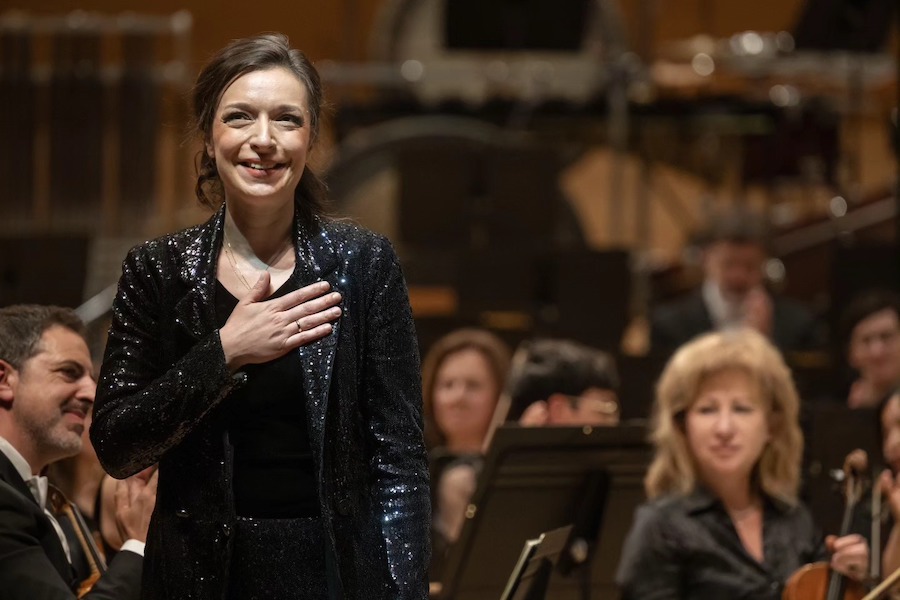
(33, 564)
(793, 327)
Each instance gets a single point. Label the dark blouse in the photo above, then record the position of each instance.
(686, 547)
(274, 474)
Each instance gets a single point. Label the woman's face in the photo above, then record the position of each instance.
(260, 137)
(727, 428)
(890, 433)
(465, 394)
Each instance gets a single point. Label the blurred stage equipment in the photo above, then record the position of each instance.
(474, 52)
(446, 162)
(91, 127)
(484, 231)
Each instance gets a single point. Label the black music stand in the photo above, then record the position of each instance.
(538, 479)
(530, 578)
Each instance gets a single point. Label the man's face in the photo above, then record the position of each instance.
(52, 393)
(736, 267)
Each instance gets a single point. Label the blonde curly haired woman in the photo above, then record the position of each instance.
(723, 519)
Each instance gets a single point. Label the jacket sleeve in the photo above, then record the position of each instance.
(393, 399)
(145, 403)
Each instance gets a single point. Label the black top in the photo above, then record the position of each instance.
(274, 474)
(686, 547)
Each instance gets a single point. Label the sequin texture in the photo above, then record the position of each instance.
(159, 399)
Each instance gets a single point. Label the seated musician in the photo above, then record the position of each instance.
(46, 391)
(723, 519)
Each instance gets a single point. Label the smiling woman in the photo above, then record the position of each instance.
(267, 360)
(723, 520)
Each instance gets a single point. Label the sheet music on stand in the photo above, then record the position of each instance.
(531, 575)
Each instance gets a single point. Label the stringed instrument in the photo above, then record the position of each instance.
(818, 581)
(65, 511)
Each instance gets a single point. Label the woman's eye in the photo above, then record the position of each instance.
(295, 120)
(235, 117)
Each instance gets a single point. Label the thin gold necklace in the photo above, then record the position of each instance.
(229, 253)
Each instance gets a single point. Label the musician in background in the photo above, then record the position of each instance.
(723, 519)
(870, 329)
(552, 383)
(733, 293)
(46, 391)
(462, 376)
(563, 383)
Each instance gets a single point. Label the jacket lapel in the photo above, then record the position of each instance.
(10, 475)
(195, 311)
(46, 534)
(318, 260)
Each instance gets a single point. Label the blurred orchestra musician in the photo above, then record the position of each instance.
(723, 519)
(562, 383)
(552, 383)
(733, 293)
(462, 377)
(870, 329)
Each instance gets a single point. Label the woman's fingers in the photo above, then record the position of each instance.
(325, 306)
(308, 336)
(304, 294)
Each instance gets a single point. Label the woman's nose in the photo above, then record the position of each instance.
(262, 136)
(724, 423)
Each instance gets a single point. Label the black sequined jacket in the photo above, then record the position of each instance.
(159, 400)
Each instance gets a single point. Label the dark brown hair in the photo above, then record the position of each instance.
(242, 56)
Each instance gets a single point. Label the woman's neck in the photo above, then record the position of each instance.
(736, 496)
(261, 239)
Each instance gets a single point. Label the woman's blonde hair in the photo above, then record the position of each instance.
(777, 473)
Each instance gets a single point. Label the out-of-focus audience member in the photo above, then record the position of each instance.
(723, 518)
(733, 293)
(562, 382)
(46, 391)
(462, 376)
(870, 327)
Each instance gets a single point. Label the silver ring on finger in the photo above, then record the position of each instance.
(299, 326)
